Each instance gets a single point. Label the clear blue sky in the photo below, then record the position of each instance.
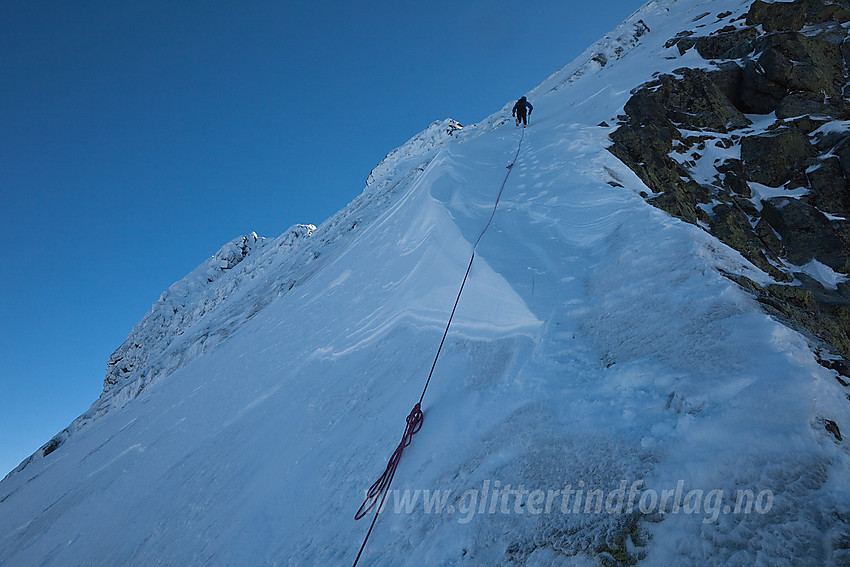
(138, 137)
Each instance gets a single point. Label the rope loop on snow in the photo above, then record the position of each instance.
(414, 424)
(379, 490)
(382, 485)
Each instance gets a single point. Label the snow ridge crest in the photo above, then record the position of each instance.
(188, 302)
(434, 135)
(188, 319)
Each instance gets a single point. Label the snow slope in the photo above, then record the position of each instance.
(596, 343)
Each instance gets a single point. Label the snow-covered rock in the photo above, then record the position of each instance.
(418, 147)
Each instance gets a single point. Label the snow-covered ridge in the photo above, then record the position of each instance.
(183, 305)
(611, 47)
(437, 133)
(188, 309)
(208, 305)
(597, 344)
(186, 319)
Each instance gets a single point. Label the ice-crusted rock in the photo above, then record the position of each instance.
(183, 310)
(419, 145)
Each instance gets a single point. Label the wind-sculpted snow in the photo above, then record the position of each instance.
(597, 348)
(207, 306)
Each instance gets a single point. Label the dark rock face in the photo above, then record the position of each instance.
(832, 428)
(774, 158)
(794, 15)
(758, 95)
(732, 225)
(791, 58)
(802, 104)
(726, 45)
(810, 63)
(646, 150)
(655, 113)
(646, 146)
(829, 187)
(772, 17)
(692, 100)
(842, 148)
(806, 232)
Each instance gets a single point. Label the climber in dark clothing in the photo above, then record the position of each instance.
(520, 111)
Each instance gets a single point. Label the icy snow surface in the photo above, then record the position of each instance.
(828, 277)
(596, 342)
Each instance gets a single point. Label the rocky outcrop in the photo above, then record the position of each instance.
(773, 94)
(794, 15)
(806, 233)
(654, 114)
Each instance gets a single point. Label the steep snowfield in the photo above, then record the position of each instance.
(597, 343)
